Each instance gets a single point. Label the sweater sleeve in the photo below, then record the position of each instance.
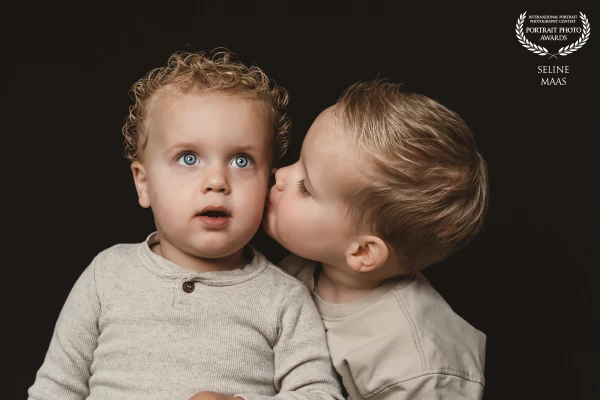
(303, 369)
(434, 386)
(65, 371)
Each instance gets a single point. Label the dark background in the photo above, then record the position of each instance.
(527, 282)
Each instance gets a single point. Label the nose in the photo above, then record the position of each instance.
(215, 180)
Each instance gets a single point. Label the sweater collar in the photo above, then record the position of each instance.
(167, 269)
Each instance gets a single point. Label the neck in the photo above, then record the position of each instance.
(200, 264)
(336, 286)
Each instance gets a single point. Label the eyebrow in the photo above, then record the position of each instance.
(244, 147)
(237, 148)
(180, 146)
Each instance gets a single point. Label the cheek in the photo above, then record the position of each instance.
(251, 197)
(298, 231)
(162, 204)
(165, 192)
(294, 217)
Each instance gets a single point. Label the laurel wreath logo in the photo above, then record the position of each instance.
(563, 51)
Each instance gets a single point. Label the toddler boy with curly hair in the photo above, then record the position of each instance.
(194, 308)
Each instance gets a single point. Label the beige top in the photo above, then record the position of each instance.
(401, 341)
(136, 326)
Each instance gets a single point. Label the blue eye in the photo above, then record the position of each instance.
(188, 159)
(241, 162)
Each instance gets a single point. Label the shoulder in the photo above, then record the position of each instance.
(105, 270)
(280, 277)
(447, 343)
(116, 262)
(121, 251)
(300, 268)
(117, 254)
(281, 288)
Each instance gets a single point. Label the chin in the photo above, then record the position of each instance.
(212, 250)
(216, 253)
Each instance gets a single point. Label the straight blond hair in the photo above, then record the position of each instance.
(427, 191)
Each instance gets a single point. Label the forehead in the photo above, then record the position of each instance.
(330, 160)
(324, 134)
(173, 115)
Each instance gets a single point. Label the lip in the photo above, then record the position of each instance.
(213, 222)
(215, 208)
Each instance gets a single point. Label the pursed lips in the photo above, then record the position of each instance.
(270, 200)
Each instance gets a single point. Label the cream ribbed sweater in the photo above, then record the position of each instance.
(136, 326)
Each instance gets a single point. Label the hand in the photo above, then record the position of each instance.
(212, 396)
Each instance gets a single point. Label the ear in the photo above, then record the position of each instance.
(141, 183)
(367, 253)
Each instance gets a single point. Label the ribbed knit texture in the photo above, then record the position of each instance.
(129, 330)
(402, 341)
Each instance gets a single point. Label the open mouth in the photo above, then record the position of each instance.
(214, 214)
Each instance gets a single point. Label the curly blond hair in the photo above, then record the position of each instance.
(427, 193)
(219, 72)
